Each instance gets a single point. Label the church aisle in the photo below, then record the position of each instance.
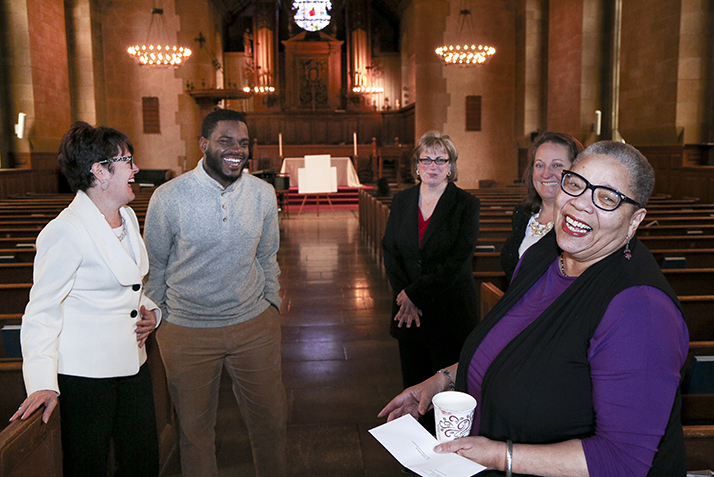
(340, 366)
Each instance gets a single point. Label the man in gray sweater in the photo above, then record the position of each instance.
(212, 237)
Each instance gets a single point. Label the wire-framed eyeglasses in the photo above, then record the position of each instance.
(439, 161)
(129, 159)
(603, 197)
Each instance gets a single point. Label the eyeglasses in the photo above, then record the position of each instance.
(130, 159)
(440, 161)
(604, 198)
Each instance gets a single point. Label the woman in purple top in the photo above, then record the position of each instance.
(576, 370)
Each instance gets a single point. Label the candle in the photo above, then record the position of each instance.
(354, 141)
(280, 143)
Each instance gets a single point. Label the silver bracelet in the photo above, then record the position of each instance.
(509, 458)
(447, 373)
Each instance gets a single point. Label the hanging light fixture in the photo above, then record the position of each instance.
(463, 52)
(259, 89)
(160, 54)
(368, 89)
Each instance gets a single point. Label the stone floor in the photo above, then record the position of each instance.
(340, 366)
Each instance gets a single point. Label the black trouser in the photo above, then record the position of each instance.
(421, 360)
(94, 411)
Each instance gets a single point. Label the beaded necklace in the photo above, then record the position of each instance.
(540, 229)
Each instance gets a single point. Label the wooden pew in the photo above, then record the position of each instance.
(490, 294)
(16, 272)
(13, 388)
(691, 281)
(32, 448)
(13, 393)
(694, 258)
(699, 315)
(487, 261)
(19, 255)
(14, 297)
(27, 243)
(698, 418)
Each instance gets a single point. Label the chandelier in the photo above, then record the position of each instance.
(160, 54)
(259, 89)
(464, 53)
(312, 15)
(368, 89)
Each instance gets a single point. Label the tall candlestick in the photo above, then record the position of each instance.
(280, 143)
(354, 141)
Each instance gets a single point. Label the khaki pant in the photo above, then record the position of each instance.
(250, 352)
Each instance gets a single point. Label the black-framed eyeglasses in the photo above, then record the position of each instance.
(439, 161)
(129, 159)
(604, 198)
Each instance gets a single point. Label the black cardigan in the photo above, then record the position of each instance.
(438, 275)
(538, 389)
(509, 252)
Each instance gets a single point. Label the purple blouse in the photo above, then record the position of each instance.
(635, 357)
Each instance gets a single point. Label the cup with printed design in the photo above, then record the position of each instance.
(454, 413)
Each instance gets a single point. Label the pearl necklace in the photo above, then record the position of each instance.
(562, 266)
(540, 229)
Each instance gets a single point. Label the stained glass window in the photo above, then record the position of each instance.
(312, 15)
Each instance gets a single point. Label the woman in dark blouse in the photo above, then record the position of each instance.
(429, 244)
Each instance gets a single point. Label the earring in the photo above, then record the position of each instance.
(448, 174)
(627, 253)
(417, 171)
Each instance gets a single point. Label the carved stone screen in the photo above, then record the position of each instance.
(314, 82)
(313, 78)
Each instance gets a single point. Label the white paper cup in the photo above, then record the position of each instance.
(454, 413)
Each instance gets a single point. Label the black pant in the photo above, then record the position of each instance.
(94, 411)
(421, 360)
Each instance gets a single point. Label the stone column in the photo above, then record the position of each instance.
(431, 97)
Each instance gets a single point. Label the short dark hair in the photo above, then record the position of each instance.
(83, 145)
(642, 177)
(217, 115)
(533, 201)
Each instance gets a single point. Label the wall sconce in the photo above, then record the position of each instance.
(20, 126)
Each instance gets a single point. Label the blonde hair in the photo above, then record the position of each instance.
(435, 140)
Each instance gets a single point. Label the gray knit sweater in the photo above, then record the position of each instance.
(212, 251)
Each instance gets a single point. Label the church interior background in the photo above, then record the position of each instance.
(640, 70)
(363, 83)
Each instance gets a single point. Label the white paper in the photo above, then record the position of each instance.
(413, 447)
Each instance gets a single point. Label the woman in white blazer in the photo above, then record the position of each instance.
(84, 328)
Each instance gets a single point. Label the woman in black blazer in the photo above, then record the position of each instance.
(429, 245)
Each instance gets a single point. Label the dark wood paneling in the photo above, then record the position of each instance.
(332, 127)
(676, 180)
(41, 178)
